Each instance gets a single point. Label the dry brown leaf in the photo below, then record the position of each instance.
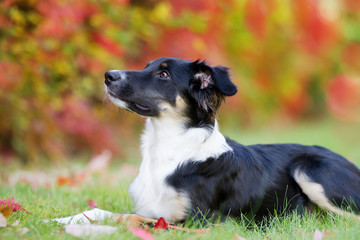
(5, 211)
(133, 220)
(3, 222)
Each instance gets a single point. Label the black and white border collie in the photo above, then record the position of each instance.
(190, 169)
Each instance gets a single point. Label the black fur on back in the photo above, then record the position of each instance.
(257, 180)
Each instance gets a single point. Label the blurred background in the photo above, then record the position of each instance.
(294, 62)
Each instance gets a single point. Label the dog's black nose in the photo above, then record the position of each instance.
(112, 76)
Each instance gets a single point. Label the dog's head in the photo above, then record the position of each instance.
(172, 87)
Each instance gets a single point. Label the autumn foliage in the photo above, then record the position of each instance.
(292, 59)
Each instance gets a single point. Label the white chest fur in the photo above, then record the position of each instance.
(166, 145)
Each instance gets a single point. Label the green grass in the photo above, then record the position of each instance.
(109, 191)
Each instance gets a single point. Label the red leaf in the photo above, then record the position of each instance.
(161, 224)
(92, 203)
(141, 233)
(63, 181)
(13, 204)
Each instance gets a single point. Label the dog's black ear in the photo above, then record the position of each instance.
(222, 80)
(218, 76)
(209, 85)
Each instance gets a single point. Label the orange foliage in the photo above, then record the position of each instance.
(316, 31)
(344, 97)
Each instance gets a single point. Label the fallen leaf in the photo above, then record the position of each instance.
(133, 220)
(3, 222)
(72, 180)
(13, 204)
(90, 220)
(318, 235)
(141, 233)
(84, 217)
(237, 237)
(5, 210)
(81, 230)
(23, 230)
(92, 203)
(161, 224)
(63, 181)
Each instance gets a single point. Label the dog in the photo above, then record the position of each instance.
(189, 169)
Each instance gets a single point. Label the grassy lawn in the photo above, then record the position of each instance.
(109, 190)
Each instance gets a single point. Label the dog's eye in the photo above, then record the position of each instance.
(164, 74)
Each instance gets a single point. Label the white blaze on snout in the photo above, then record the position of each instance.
(121, 73)
(116, 101)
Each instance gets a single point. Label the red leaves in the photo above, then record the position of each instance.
(108, 44)
(77, 119)
(73, 180)
(343, 97)
(161, 224)
(256, 14)
(63, 181)
(351, 55)
(10, 75)
(13, 204)
(92, 203)
(316, 31)
(63, 18)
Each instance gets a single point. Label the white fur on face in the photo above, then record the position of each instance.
(165, 145)
(122, 74)
(116, 101)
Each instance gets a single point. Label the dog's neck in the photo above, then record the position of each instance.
(167, 140)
